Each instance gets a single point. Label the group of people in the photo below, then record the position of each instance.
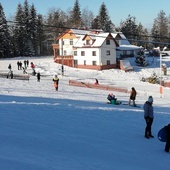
(148, 116)
(148, 107)
(113, 100)
(26, 63)
(20, 64)
(38, 75)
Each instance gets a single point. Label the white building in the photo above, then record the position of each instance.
(90, 49)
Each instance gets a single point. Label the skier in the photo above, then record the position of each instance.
(167, 145)
(148, 116)
(132, 96)
(56, 82)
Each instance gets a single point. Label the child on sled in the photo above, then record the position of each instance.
(112, 99)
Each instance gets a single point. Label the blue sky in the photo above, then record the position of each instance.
(145, 11)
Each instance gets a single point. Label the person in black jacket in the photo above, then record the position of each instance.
(167, 145)
(56, 82)
(38, 76)
(132, 96)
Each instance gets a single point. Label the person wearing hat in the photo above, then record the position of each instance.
(132, 96)
(56, 82)
(148, 116)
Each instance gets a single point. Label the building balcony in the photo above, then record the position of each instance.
(55, 46)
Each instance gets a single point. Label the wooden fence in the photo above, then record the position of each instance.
(16, 76)
(101, 87)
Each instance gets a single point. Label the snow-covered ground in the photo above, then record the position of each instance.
(74, 128)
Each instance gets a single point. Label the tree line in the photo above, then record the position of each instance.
(32, 34)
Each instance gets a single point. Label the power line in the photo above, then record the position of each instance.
(135, 35)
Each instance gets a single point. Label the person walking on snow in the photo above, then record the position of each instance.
(38, 76)
(132, 96)
(56, 82)
(9, 67)
(148, 116)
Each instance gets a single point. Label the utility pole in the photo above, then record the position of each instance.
(62, 66)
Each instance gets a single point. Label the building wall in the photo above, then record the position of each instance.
(112, 56)
(65, 47)
(89, 58)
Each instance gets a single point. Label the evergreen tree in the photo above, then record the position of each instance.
(40, 35)
(76, 15)
(160, 32)
(33, 31)
(104, 20)
(143, 36)
(4, 36)
(95, 23)
(129, 28)
(19, 31)
(27, 30)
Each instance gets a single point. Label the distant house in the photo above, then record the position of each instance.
(125, 49)
(89, 49)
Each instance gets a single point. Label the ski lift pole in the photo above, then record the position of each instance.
(62, 66)
(160, 90)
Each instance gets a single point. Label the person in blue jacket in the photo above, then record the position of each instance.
(149, 117)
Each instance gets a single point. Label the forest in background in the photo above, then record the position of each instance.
(30, 34)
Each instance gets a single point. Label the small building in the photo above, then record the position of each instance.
(88, 49)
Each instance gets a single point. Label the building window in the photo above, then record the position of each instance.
(108, 62)
(93, 53)
(108, 52)
(94, 63)
(71, 41)
(65, 52)
(87, 42)
(82, 53)
(84, 62)
(107, 42)
(75, 53)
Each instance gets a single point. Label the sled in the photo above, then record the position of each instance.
(162, 134)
